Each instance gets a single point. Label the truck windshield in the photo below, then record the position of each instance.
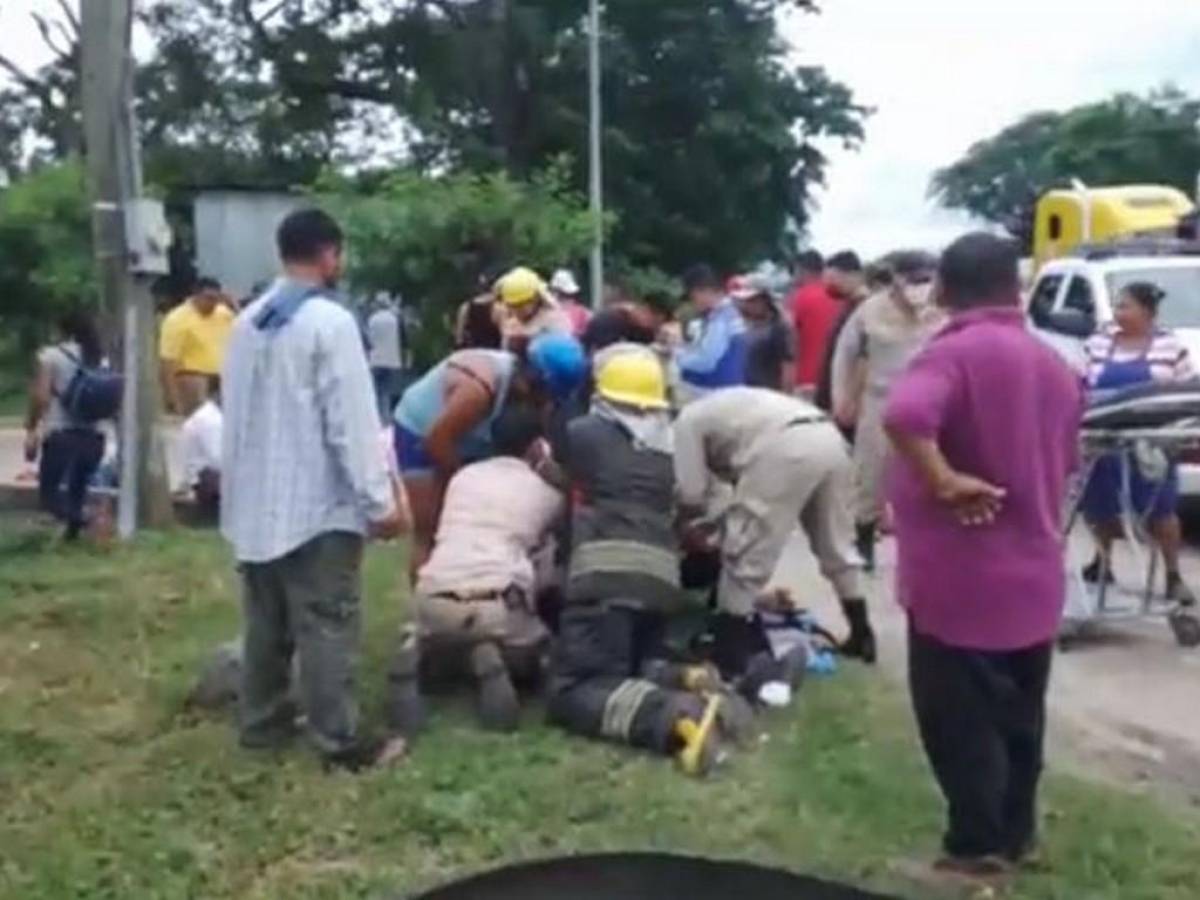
(1181, 306)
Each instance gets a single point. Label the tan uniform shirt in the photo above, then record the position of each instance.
(724, 432)
(496, 514)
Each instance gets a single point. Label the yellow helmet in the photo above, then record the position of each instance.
(520, 286)
(634, 378)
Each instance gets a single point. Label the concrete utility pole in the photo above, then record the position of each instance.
(596, 179)
(114, 186)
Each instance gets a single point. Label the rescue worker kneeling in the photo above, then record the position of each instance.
(609, 677)
(773, 462)
(475, 599)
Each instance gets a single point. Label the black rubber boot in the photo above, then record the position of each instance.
(499, 708)
(1178, 592)
(864, 542)
(861, 642)
(1091, 572)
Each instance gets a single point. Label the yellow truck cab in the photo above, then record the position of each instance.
(1067, 218)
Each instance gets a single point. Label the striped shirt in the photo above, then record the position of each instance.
(300, 452)
(1166, 354)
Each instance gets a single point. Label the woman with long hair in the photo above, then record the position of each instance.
(68, 450)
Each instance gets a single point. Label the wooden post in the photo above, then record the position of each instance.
(115, 178)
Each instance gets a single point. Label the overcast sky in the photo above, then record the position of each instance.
(941, 74)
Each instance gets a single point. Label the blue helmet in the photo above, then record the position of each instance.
(559, 362)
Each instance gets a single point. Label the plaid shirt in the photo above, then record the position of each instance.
(300, 451)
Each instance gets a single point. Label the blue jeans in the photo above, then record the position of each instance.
(389, 385)
(70, 458)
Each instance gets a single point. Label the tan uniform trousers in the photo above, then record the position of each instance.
(804, 477)
(870, 458)
(448, 628)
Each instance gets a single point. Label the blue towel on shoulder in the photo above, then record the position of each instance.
(284, 303)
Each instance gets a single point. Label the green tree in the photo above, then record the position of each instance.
(1121, 140)
(46, 262)
(712, 136)
(428, 239)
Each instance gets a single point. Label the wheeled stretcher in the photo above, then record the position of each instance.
(1150, 427)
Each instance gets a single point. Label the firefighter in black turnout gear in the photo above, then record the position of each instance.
(609, 674)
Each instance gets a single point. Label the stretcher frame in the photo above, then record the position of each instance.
(1097, 443)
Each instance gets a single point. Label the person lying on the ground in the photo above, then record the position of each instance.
(476, 597)
(609, 675)
(445, 419)
(787, 465)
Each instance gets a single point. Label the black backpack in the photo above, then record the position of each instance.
(93, 394)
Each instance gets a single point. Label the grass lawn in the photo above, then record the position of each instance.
(110, 790)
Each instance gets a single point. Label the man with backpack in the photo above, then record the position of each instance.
(70, 396)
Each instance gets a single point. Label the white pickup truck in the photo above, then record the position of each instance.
(1072, 296)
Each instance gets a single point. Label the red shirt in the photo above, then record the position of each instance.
(815, 312)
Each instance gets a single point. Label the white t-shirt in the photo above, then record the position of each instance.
(383, 331)
(201, 442)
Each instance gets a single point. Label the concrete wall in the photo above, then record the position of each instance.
(235, 236)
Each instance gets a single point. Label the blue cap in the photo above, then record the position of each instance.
(559, 361)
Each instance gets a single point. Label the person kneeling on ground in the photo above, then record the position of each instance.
(788, 465)
(476, 596)
(609, 675)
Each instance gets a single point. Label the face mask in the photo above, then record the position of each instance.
(918, 296)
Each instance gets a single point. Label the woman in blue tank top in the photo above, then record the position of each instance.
(444, 421)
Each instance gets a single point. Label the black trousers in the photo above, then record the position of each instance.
(69, 459)
(982, 718)
(598, 683)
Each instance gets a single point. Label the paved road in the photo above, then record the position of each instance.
(1124, 701)
(13, 467)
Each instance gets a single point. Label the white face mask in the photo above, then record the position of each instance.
(918, 296)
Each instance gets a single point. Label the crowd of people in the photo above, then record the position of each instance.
(570, 477)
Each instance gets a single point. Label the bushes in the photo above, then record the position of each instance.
(45, 251)
(430, 239)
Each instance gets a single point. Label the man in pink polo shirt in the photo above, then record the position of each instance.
(985, 424)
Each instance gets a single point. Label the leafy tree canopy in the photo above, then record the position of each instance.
(711, 133)
(1125, 139)
(427, 238)
(46, 263)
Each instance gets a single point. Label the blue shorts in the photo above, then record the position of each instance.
(411, 457)
(1153, 500)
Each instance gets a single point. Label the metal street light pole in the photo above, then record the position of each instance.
(596, 181)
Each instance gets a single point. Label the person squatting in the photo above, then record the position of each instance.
(588, 466)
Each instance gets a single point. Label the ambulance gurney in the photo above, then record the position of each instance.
(644, 876)
(1147, 429)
